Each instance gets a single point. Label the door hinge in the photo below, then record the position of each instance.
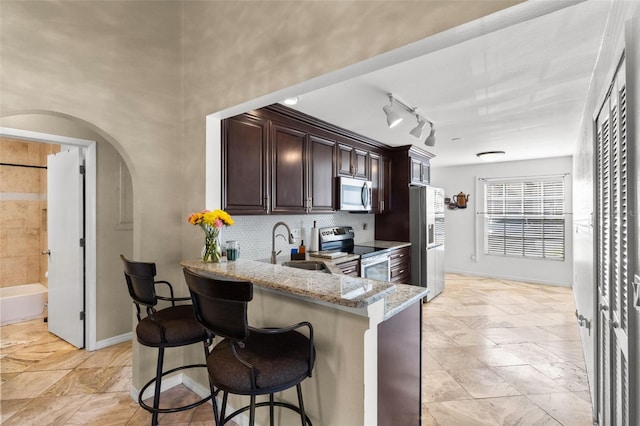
(82, 169)
(82, 316)
(81, 242)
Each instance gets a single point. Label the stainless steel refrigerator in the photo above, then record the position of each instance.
(427, 238)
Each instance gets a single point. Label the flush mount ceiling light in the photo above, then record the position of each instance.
(490, 155)
(393, 118)
(291, 101)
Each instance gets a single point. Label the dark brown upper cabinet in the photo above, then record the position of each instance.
(278, 160)
(289, 183)
(353, 162)
(420, 170)
(303, 171)
(322, 171)
(245, 164)
(379, 173)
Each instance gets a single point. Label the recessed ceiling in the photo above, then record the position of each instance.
(520, 89)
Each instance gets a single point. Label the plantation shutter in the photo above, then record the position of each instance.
(525, 217)
(613, 275)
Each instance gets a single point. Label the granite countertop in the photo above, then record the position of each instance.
(335, 289)
(329, 288)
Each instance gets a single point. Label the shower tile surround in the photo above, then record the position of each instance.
(254, 232)
(23, 212)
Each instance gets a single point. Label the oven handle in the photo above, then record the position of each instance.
(374, 260)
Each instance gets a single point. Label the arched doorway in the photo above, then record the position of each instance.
(108, 220)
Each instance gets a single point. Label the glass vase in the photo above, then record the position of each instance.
(212, 250)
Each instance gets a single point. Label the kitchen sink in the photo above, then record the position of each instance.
(309, 265)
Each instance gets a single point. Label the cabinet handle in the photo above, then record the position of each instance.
(348, 271)
(266, 203)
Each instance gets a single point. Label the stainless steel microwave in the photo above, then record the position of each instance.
(354, 195)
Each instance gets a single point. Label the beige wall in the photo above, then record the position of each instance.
(143, 75)
(23, 212)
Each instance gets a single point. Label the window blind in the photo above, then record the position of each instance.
(525, 217)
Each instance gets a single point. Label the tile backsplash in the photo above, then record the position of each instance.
(254, 232)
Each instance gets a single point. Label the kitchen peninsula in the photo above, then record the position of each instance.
(367, 335)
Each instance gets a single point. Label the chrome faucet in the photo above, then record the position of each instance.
(291, 240)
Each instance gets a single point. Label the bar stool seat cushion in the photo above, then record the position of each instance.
(280, 360)
(177, 323)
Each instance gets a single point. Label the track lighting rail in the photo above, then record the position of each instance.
(393, 119)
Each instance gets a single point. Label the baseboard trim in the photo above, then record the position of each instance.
(506, 277)
(203, 391)
(197, 388)
(101, 344)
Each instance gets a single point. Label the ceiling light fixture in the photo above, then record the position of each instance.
(490, 155)
(393, 119)
(431, 139)
(291, 101)
(417, 131)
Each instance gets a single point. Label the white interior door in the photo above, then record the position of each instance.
(65, 187)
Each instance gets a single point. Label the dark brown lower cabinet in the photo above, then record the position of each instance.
(400, 264)
(351, 268)
(399, 368)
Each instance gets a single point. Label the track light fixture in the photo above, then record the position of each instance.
(431, 139)
(393, 119)
(417, 131)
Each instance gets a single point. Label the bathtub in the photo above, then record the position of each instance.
(22, 302)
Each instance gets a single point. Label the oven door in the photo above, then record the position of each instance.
(376, 268)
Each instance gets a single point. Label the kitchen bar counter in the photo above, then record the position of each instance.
(333, 288)
(367, 334)
(341, 290)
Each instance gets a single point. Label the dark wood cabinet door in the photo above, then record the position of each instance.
(288, 174)
(416, 171)
(322, 170)
(376, 172)
(345, 161)
(360, 164)
(351, 268)
(245, 165)
(400, 263)
(425, 173)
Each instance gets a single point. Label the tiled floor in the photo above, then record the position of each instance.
(499, 352)
(496, 353)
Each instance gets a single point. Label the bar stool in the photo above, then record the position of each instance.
(169, 327)
(249, 361)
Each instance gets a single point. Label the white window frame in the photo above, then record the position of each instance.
(525, 217)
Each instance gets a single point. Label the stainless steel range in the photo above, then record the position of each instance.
(339, 241)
